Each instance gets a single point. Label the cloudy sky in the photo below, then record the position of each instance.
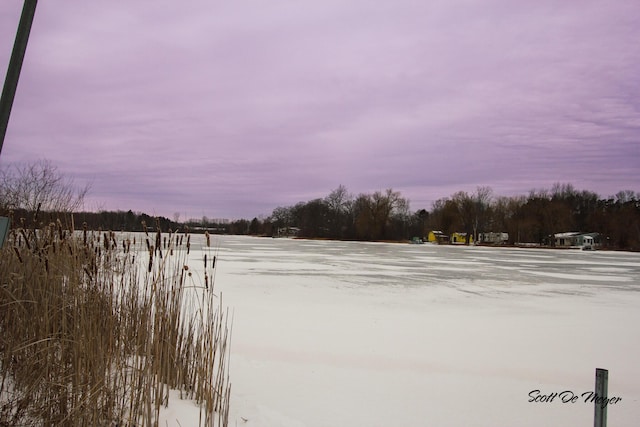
(231, 108)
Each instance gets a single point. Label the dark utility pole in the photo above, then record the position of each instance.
(15, 65)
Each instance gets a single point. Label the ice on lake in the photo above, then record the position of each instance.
(330, 333)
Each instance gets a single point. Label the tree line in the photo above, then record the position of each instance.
(40, 192)
(532, 218)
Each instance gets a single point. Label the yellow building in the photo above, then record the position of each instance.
(461, 238)
(436, 236)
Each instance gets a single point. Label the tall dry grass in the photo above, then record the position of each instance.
(96, 329)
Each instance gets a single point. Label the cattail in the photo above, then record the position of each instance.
(60, 229)
(150, 259)
(26, 239)
(110, 330)
(17, 251)
(37, 212)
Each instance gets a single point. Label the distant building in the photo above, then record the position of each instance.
(287, 232)
(436, 236)
(493, 238)
(460, 238)
(576, 239)
(416, 240)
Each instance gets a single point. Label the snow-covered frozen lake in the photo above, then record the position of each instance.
(330, 334)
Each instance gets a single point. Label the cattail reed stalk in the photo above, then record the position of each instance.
(61, 233)
(17, 252)
(150, 259)
(26, 239)
(158, 240)
(109, 338)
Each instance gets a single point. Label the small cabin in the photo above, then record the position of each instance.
(286, 232)
(438, 237)
(575, 239)
(460, 238)
(493, 238)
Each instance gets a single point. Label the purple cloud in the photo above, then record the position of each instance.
(229, 109)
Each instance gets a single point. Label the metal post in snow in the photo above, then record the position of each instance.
(15, 65)
(600, 415)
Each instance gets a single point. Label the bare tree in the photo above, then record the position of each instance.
(339, 202)
(339, 199)
(626, 196)
(444, 216)
(467, 210)
(39, 185)
(374, 212)
(482, 198)
(282, 216)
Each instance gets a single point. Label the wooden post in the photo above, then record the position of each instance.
(600, 414)
(15, 65)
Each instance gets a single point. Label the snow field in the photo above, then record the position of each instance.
(375, 334)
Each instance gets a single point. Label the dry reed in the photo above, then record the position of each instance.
(95, 333)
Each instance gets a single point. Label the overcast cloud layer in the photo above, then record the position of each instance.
(231, 108)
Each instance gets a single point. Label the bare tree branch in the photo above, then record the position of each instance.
(39, 185)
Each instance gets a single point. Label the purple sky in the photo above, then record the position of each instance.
(231, 108)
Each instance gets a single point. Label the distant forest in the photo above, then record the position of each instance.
(385, 215)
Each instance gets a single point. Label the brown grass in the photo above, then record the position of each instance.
(94, 331)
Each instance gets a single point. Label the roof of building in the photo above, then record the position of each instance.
(567, 234)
